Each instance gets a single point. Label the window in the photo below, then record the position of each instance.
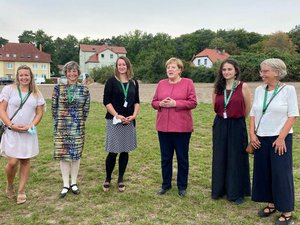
(44, 66)
(28, 56)
(15, 55)
(199, 61)
(9, 66)
(111, 56)
(22, 56)
(34, 66)
(36, 56)
(205, 61)
(0, 55)
(102, 55)
(7, 55)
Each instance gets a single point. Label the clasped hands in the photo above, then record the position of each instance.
(21, 127)
(125, 120)
(167, 103)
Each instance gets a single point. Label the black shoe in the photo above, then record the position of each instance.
(163, 191)
(63, 194)
(76, 190)
(182, 193)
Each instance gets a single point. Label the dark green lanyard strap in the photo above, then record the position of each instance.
(265, 105)
(71, 97)
(125, 91)
(20, 95)
(226, 100)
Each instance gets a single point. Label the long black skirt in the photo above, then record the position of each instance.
(230, 164)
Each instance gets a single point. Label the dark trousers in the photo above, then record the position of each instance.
(273, 175)
(170, 141)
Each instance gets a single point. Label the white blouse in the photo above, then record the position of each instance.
(283, 105)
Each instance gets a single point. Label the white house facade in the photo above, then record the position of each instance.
(208, 57)
(97, 56)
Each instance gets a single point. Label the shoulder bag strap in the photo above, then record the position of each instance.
(21, 105)
(268, 105)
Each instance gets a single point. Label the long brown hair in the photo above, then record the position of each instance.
(129, 72)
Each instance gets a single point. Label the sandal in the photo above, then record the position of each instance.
(10, 193)
(267, 211)
(106, 186)
(286, 220)
(21, 198)
(63, 193)
(121, 187)
(75, 190)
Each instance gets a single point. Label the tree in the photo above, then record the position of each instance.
(3, 41)
(280, 41)
(294, 34)
(28, 36)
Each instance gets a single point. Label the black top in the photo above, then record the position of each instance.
(113, 94)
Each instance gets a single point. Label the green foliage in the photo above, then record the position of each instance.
(148, 53)
(101, 75)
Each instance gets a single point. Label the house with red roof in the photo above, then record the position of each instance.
(91, 56)
(13, 55)
(209, 56)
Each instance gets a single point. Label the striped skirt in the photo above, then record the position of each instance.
(119, 137)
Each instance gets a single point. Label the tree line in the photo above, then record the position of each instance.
(149, 52)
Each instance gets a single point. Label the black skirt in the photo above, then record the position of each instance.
(230, 164)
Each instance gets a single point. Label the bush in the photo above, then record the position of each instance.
(101, 75)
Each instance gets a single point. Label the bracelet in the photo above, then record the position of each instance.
(10, 126)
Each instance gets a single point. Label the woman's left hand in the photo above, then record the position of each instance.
(128, 119)
(279, 146)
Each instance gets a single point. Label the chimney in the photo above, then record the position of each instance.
(40, 47)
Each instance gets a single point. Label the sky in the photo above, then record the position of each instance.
(99, 19)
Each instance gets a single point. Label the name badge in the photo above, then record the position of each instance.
(224, 115)
(125, 104)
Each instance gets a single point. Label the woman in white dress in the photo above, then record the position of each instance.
(19, 141)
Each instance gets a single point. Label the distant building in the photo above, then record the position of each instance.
(208, 56)
(12, 55)
(91, 56)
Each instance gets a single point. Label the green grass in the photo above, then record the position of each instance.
(139, 204)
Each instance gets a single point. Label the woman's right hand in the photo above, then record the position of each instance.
(19, 128)
(254, 141)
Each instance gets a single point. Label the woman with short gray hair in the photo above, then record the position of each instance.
(273, 114)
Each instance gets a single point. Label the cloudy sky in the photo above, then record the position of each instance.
(99, 19)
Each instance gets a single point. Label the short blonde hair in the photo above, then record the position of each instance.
(177, 61)
(276, 64)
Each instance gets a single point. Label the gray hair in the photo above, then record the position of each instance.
(71, 66)
(276, 64)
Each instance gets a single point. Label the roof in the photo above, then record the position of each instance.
(101, 48)
(93, 58)
(212, 54)
(23, 52)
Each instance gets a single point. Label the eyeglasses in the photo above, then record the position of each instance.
(264, 71)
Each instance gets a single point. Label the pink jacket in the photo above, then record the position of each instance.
(179, 118)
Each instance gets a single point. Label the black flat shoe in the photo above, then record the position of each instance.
(163, 191)
(182, 193)
(63, 194)
(76, 190)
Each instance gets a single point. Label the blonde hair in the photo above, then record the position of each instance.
(32, 85)
(276, 64)
(177, 61)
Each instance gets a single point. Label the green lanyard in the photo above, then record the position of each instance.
(20, 94)
(265, 105)
(71, 97)
(125, 91)
(226, 100)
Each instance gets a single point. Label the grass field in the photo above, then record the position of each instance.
(139, 204)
